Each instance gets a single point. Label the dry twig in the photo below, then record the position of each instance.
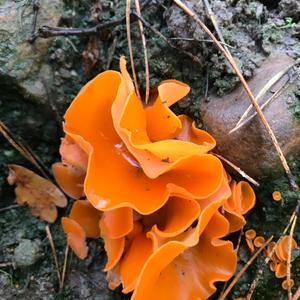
(138, 10)
(5, 264)
(213, 19)
(296, 296)
(262, 92)
(51, 31)
(169, 42)
(49, 236)
(234, 66)
(274, 96)
(64, 268)
(111, 52)
(128, 4)
(22, 149)
(243, 270)
(36, 7)
(9, 207)
(236, 168)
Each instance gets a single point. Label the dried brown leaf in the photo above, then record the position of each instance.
(41, 195)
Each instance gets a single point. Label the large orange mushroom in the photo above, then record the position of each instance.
(158, 199)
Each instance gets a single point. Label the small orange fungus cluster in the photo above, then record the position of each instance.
(276, 195)
(278, 262)
(149, 189)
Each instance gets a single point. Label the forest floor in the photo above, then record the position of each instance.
(254, 30)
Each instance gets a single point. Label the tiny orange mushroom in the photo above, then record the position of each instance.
(281, 270)
(250, 245)
(250, 234)
(276, 195)
(259, 241)
(287, 283)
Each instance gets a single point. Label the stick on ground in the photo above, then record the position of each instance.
(49, 236)
(138, 10)
(234, 66)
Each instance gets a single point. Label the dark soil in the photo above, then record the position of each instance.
(254, 29)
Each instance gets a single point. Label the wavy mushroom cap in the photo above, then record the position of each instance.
(281, 270)
(242, 199)
(190, 265)
(250, 234)
(259, 241)
(283, 246)
(112, 130)
(154, 193)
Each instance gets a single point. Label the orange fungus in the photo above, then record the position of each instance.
(250, 234)
(276, 196)
(159, 200)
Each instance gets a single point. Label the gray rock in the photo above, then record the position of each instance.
(22, 64)
(27, 253)
(250, 147)
(89, 286)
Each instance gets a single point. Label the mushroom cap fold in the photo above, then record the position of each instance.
(283, 246)
(242, 199)
(76, 237)
(113, 172)
(190, 265)
(87, 217)
(117, 223)
(69, 178)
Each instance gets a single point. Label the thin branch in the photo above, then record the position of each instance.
(9, 207)
(288, 273)
(236, 168)
(243, 270)
(111, 52)
(128, 4)
(138, 11)
(296, 296)
(36, 7)
(168, 41)
(49, 236)
(22, 149)
(51, 31)
(213, 19)
(269, 100)
(263, 91)
(198, 41)
(64, 268)
(5, 264)
(234, 66)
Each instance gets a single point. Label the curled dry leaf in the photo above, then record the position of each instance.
(41, 195)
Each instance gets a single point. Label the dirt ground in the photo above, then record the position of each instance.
(253, 29)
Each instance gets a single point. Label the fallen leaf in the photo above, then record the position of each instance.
(41, 195)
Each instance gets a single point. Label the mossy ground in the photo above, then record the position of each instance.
(39, 126)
